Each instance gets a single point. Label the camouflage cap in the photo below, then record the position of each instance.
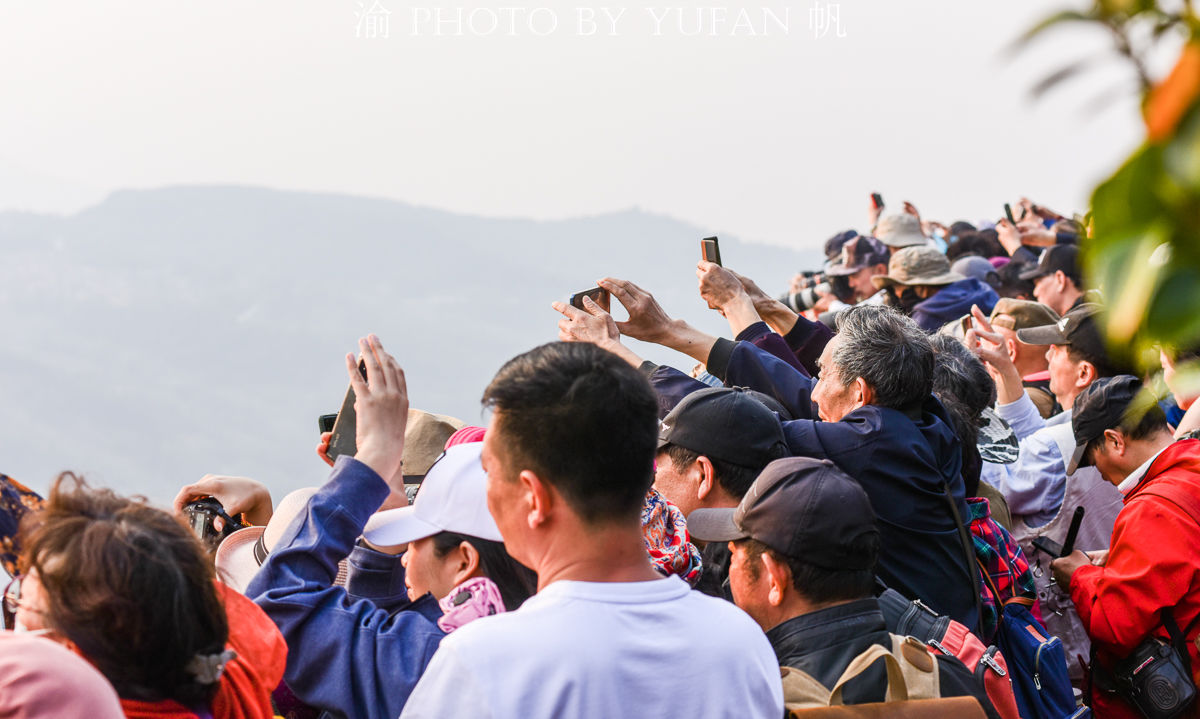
(1017, 314)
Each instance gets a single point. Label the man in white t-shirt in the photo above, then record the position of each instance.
(569, 454)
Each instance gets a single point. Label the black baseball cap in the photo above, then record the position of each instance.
(726, 423)
(1103, 404)
(1053, 259)
(1077, 328)
(801, 507)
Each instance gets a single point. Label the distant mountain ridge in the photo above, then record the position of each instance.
(167, 333)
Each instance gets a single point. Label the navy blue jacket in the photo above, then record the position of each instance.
(346, 656)
(900, 460)
(953, 301)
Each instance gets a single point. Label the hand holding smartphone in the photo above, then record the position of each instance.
(877, 200)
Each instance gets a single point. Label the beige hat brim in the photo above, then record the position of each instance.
(235, 561)
(905, 239)
(945, 278)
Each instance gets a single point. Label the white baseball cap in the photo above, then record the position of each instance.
(453, 498)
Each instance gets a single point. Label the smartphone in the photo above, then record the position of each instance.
(966, 324)
(325, 422)
(877, 200)
(344, 439)
(1049, 546)
(599, 295)
(1008, 213)
(710, 250)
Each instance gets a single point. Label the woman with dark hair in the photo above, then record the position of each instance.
(131, 590)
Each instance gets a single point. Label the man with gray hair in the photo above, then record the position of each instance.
(871, 412)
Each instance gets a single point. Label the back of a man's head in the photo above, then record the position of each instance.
(584, 421)
(888, 350)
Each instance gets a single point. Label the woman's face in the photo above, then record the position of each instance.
(425, 571)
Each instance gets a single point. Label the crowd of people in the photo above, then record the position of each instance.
(929, 428)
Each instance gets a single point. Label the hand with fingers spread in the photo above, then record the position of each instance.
(381, 410)
(647, 319)
(779, 316)
(989, 346)
(238, 495)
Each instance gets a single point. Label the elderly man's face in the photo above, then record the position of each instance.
(833, 400)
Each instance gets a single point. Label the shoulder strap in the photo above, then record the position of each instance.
(1015, 599)
(896, 690)
(919, 667)
(801, 691)
(969, 554)
(1178, 496)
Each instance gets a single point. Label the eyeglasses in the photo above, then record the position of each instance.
(12, 600)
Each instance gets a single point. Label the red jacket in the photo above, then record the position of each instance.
(1153, 563)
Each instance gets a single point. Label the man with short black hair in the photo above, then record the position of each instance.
(711, 446)
(569, 454)
(1150, 574)
(804, 542)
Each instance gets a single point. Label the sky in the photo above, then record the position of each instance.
(770, 120)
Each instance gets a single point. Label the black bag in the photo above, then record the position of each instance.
(1157, 678)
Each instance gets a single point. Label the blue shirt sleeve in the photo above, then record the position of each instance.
(345, 656)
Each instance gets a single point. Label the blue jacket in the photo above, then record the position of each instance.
(346, 655)
(901, 460)
(954, 301)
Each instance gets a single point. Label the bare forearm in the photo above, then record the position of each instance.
(741, 313)
(688, 340)
(779, 316)
(1009, 385)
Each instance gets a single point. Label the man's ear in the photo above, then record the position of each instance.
(864, 394)
(538, 498)
(1114, 442)
(779, 579)
(702, 476)
(1085, 373)
(1010, 348)
(1060, 280)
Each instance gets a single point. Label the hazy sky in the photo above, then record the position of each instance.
(756, 125)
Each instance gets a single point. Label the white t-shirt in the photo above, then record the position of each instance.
(600, 649)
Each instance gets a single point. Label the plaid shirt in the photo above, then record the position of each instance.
(1005, 564)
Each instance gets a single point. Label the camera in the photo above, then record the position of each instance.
(200, 515)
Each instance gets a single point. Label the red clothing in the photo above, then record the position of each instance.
(247, 682)
(1153, 563)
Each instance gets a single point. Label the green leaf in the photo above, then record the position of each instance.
(1054, 20)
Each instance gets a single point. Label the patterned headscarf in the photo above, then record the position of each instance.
(667, 542)
(16, 500)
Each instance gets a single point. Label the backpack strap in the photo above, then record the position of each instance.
(801, 691)
(964, 534)
(896, 689)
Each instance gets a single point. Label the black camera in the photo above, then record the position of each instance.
(200, 515)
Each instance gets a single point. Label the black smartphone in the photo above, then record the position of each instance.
(599, 295)
(325, 422)
(877, 200)
(1054, 549)
(1008, 213)
(1049, 546)
(344, 440)
(710, 250)
(200, 515)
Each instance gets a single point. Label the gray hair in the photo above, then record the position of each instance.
(888, 351)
